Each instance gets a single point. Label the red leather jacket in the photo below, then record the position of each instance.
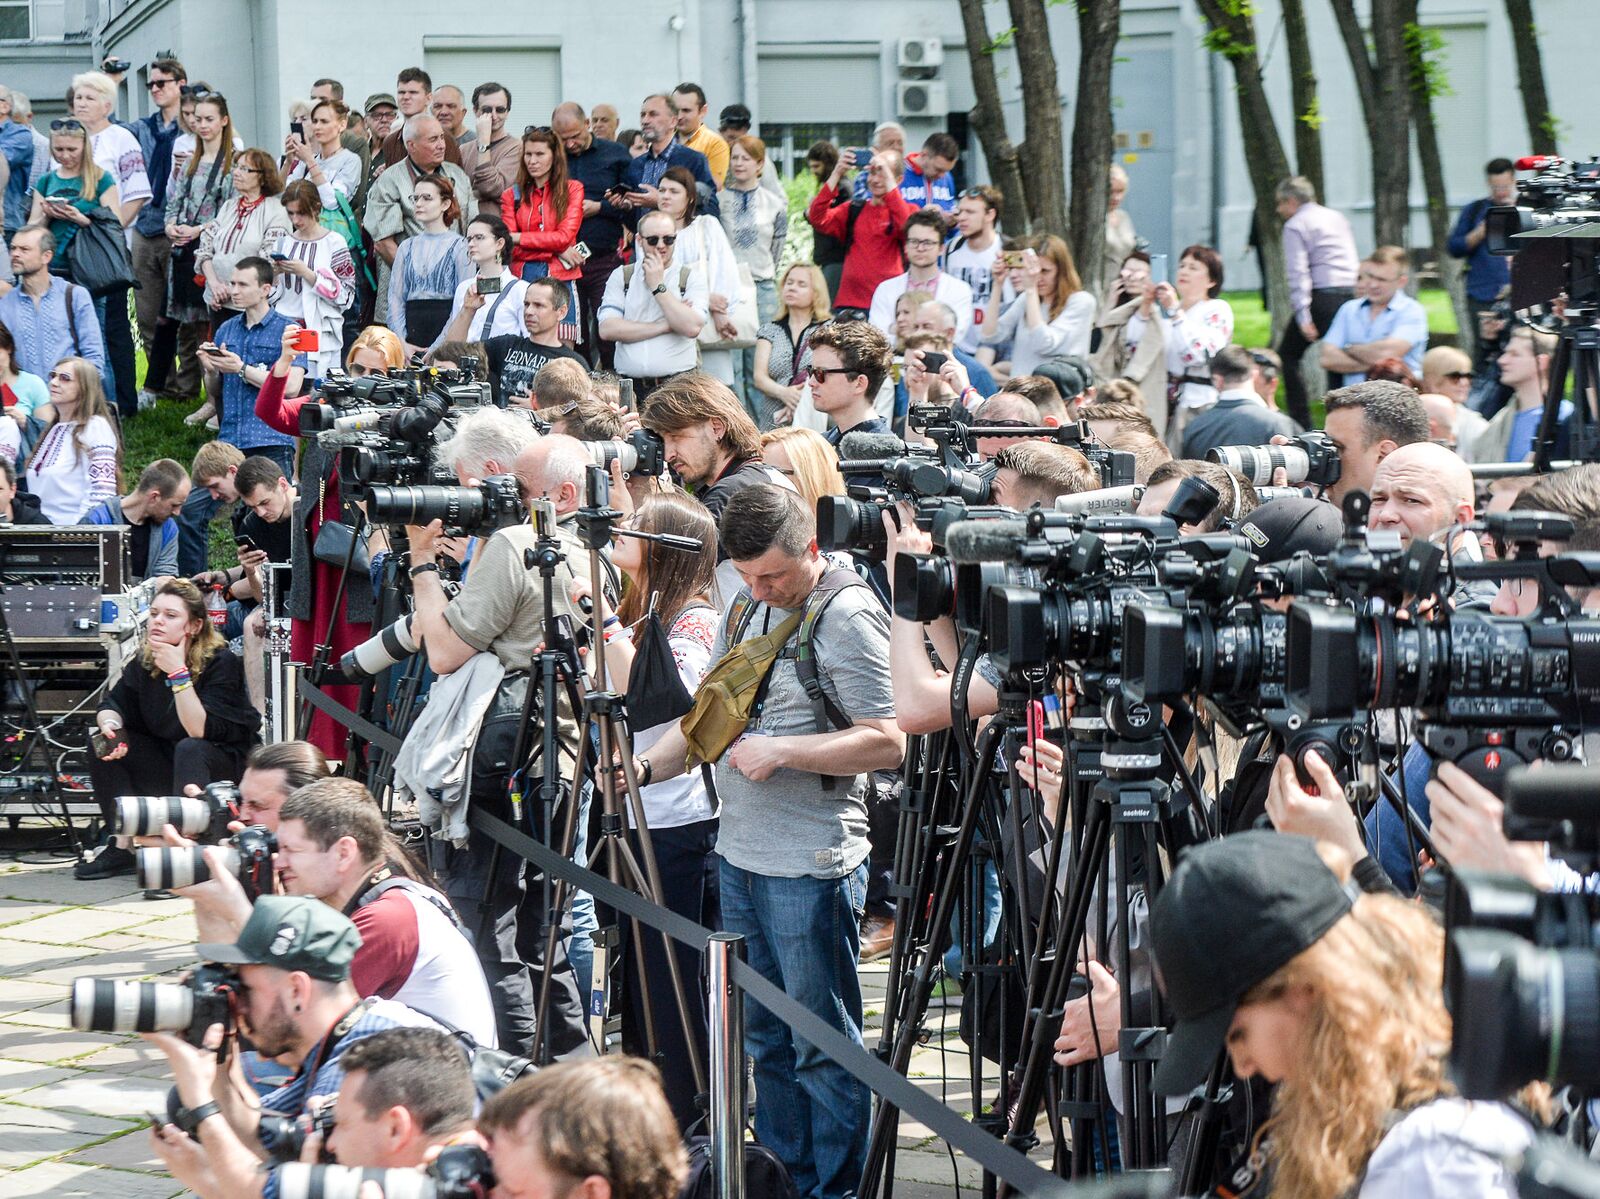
(537, 234)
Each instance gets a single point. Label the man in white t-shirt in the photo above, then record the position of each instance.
(923, 242)
(971, 256)
(116, 151)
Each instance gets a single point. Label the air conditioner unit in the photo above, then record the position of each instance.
(919, 57)
(922, 99)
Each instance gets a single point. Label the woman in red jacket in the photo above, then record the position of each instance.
(543, 211)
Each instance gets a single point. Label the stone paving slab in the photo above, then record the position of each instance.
(74, 1180)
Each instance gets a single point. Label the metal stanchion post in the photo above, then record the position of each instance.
(726, 1010)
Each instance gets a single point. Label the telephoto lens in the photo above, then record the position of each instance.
(144, 815)
(301, 1180)
(124, 1006)
(166, 867)
(1257, 462)
(388, 647)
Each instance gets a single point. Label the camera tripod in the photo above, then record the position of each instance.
(1577, 356)
(605, 711)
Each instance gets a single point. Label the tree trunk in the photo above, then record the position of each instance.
(1423, 85)
(1092, 136)
(1303, 91)
(1530, 77)
(1382, 81)
(989, 121)
(1045, 182)
(1233, 35)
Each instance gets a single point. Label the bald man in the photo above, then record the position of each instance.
(1420, 491)
(1441, 412)
(603, 122)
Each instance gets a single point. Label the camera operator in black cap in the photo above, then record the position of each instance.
(297, 1005)
(1336, 998)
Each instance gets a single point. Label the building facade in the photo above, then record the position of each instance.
(811, 69)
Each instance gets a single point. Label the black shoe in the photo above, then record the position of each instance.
(113, 860)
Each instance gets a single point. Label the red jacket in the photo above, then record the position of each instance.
(874, 253)
(536, 233)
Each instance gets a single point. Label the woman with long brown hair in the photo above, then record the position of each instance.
(543, 211)
(179, 716)
(1053, 313)
(669, 591)
(1337, 1000)
(73, 466)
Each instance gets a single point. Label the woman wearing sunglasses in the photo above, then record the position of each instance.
(73, 466)
(315, 582)
(66, 196)
(703, 242)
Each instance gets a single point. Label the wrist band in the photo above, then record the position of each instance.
(189, 1119)
(646, 773)
(611, 621)
(970, 390)
(175, 688)
(423, 568)
(181, 673)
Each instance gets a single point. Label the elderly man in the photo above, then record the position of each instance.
(1421, 490)
(604, 122)
(391, 215)
(16, 148)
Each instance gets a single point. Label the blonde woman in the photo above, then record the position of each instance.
(1338, 1002)
(804, 457)
(74, 465)
(178, 716)
(76, 187)
(783, 348)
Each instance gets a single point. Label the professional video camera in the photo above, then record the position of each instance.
(1563, 194)
(459, 1172)
(203, 818)
(248, 857)
(1309, 458)
(210, 995)
(1522, 976)
(384, 426)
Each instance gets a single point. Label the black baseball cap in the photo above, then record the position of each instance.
(1071, 374)
(292, 932)
(1234, 912)
(1280, 529)
(734, 114)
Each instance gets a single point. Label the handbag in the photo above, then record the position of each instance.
(745, 319)
(97, 257)
(335, 540)
(656, 693)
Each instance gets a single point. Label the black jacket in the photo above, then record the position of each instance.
(1237, 420)
(25, 510)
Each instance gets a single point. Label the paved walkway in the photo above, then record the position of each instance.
(73, 1104)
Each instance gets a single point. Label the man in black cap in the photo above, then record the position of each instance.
(296, 1003)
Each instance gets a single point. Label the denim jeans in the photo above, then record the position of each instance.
(990, 919)
(194, 522)
(803, 934)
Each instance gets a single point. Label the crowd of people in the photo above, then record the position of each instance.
(608, 284)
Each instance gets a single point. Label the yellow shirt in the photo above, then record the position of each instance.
(709, 142)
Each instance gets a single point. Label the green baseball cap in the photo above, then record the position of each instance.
(292, 932)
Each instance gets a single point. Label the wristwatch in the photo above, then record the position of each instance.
(659, 288)
(423, 568)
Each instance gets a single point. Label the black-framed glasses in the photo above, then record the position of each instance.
(1457, 376)
(819, 374)
(658, 239)
(250, 170)
(924, 243)
(66, 125)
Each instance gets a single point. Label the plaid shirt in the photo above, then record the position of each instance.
(294, 1096)
(257, 345)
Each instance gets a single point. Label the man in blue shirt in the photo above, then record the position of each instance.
(659, 126)
(246, 347)
(16, 147)
(151, 250)
(49, 318)
(1381, 322)
(1487, 273)
(928, 181)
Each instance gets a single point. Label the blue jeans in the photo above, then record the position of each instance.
(194, 522)
(990, 919)
(580, 949)
(803, 934)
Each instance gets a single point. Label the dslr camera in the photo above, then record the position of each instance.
(248, 855)
(459, 1172)
(203, 818)
(1310, 458)
(210, 995)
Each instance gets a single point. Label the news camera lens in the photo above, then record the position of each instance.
(374, 466)
(854, 526)
(1257, 462)
(604, 453)
(166, 867)
(416, 423)
(144, 815)
(457, 507)
(388, 647)
(301, 1180)
(119, 1005)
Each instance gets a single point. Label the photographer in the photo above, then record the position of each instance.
(1338, 1002)
(500, 611)
(296, 1004)
(1368, 422)
(406, 1094)
(179, 715)
(793, 832)
(599, 1130)
(1236, 495)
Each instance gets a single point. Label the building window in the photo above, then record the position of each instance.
(787, 144)
(16, 20)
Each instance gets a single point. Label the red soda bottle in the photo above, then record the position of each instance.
(216, 607)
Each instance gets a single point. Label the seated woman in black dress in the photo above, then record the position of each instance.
(178, 715)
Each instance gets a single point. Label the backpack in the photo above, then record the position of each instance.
(683, 277)
(765, 1176)
(735, 685)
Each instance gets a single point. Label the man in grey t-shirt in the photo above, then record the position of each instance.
(793, 836)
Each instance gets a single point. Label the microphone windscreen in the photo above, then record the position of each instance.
(1102, 501)
(868, 446)
(975, 541)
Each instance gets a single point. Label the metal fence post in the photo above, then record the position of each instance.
(726, 1009)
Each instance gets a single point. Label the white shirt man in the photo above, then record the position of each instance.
(924, 240)
(654, 309)
(971, 257)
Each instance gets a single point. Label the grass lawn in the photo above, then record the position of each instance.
(1252, 327)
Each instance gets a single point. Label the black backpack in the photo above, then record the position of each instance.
(765, 1176)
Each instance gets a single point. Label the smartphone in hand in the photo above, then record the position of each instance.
(298, 129)
(859, 157)
(307, 341)
(489, 285)
(1158, 268)
(933, 361)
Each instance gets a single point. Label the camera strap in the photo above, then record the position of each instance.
(337, 1033)
(488, 321)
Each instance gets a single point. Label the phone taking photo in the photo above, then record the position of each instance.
(489, 285)
(933, 361)
(1158, 268)
(298, 129)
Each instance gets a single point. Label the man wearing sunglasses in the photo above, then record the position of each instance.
(654, 309)
(495, 151)
(151, 250)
